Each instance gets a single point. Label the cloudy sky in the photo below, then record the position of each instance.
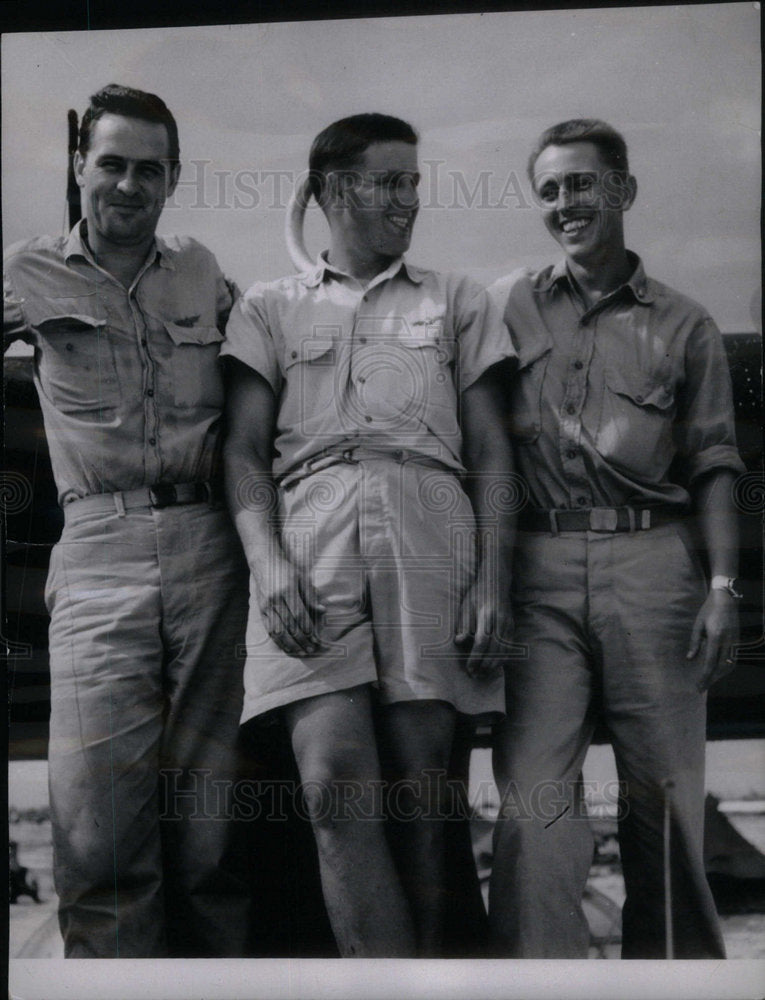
(681, 82)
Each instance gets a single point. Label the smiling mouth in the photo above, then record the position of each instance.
(573, 226)
(402, 223)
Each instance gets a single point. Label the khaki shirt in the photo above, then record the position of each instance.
(129, 381)
(380, 365)
(625, 403)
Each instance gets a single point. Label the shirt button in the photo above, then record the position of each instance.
(70, 347)
(638, 399)
(398, 454)
(582, 501)
(293, 354)
(361, 380)
(149, 392)
(368, 419)
(571, 453)
(571, 409)
(579, 365)
(152, 441)
(362, 340)
(143, 342)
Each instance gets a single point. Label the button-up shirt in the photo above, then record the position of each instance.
(626, 402)
(128, 379)
(377, 365)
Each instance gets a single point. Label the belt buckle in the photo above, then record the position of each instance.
(603, 519)
(162, 495)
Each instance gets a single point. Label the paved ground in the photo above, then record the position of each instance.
(34, 927)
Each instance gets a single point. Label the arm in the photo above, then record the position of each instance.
(287, 601)
(716, 624)
(486, 611)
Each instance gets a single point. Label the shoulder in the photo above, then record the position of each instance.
(285, 289)
(668, 298)
(34, 252)
(187, 251)
(457, 286)
(523, 281)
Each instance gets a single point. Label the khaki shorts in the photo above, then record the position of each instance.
(390, 549)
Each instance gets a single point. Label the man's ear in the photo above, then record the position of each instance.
(629, 193)
(174, 174)
(78, 163)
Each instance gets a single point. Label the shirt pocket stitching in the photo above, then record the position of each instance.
(310, 350)
(59, 370)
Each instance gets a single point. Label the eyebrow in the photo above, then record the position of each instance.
(128, 159)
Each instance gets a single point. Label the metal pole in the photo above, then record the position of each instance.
(668, 785)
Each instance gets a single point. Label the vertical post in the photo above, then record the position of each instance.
(668, 785)
(72, 188)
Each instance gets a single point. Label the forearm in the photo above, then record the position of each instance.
(492, 489)
(713, 503)
(252, 498)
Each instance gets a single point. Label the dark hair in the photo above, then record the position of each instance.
(340, 145)
(114, 99)
(609, 142)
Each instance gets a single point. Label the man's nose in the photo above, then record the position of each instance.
(406, 195)
(129, 183)
(566, 197)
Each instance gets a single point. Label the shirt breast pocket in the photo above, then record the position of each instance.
(636, 421)
(425, 374)
(77, 368)
(526, 403)
(194, 372)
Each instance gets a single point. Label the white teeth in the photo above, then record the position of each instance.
(574, 225)
(399, 220)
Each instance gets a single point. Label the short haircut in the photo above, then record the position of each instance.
(114, 99)
(340, 145)
(610, 143)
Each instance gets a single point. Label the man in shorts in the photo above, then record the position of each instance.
(360, 393)
(622, 425)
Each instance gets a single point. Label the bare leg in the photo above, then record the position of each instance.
(334, 743)
(417, 737)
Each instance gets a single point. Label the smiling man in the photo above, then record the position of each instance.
(622, 423)
(361, 392)
(147, 585)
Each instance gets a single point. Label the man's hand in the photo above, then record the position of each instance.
(486, 621)
(290, 608)
(716, 628)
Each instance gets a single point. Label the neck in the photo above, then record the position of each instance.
(596, 279)
(122, 262)
(364, 267)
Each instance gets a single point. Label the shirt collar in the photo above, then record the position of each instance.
(322, 267)
(638, 283)
(76, 246)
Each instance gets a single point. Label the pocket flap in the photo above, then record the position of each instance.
(193, 334)
(643, 388)
(66, 322)
(310, 349)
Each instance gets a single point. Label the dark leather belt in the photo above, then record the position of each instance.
(606, 519)
(158, 496)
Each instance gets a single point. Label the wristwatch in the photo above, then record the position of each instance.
(726, 583)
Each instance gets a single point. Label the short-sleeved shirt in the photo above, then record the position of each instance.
(380, 365)
(129, 381)
(625, 403)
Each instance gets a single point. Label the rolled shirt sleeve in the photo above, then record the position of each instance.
(705, 435)
(481, 333)
(249, 339)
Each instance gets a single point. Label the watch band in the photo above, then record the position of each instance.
(726, 583)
